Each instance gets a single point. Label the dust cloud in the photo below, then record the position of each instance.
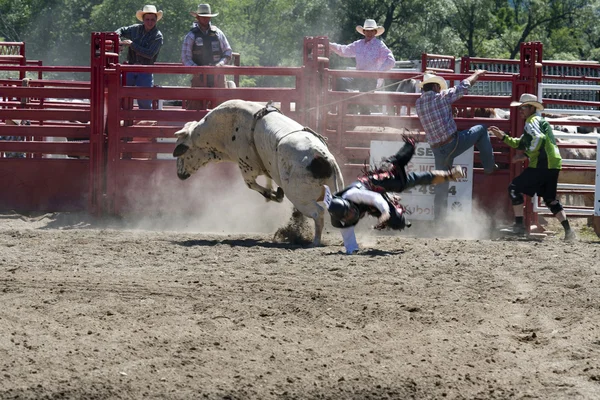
(215, 199)
(476, 225)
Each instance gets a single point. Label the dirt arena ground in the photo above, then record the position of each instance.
(103, 310)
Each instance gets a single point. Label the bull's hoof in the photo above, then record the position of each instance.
(279, 195)
(274, 196)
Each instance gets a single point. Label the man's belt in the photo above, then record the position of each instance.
(443, 142)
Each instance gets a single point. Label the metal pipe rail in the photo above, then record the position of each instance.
(583, 211)
(569, 86)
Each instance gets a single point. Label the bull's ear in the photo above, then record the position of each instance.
(186, 130)
(180, 150)
(181, 133)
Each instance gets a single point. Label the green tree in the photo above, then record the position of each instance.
(587, 30)
(471, 20)
(14, 18)
(54, 31)
(530, 19)
(271, 32)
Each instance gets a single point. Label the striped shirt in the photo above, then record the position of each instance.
(435, 112)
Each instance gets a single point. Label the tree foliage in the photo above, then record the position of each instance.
(471, 21)
(271, 32)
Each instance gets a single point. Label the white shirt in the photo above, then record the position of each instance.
(373, 55)
(359, 196)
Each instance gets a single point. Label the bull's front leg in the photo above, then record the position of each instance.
(278, 193)
(317, 213)
(267, 192)
(319, 219)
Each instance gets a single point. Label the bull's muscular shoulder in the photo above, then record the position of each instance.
(238, 106)
(228, 127)
(234, 114)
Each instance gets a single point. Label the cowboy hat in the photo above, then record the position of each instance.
(433, 78)
(528, 100)
(370, 25)
(148, 9)
(203, 11)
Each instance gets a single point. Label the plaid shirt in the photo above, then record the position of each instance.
(188, 45)
(145, 46)
(435, 111)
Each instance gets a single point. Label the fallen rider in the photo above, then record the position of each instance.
(370, 195)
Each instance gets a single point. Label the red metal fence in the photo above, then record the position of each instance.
(115, 156)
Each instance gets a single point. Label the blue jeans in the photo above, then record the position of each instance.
(444, 158)
(141, 79)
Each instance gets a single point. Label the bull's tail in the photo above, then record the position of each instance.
(338, 178)
(320, 168)
(325, 168)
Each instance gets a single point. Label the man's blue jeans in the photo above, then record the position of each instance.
(444, 159)
(141, 79)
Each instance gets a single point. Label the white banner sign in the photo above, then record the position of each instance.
(419, 199)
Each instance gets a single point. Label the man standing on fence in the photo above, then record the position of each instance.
(205, 44)
(143, 42)
(371, 55)
(541, 175)
(434, 109)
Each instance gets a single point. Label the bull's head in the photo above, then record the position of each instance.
(191, 151)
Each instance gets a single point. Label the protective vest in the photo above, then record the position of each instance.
(539, 144)
(207, 47)
(397, 218)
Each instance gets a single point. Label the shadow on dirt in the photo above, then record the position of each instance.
(239, 243)
(379, 253)
(369, 253)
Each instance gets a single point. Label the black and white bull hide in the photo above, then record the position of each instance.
(408, 85)
(265, 143)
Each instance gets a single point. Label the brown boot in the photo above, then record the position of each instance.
(454, 175)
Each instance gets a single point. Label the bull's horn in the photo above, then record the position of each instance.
(187, 129)
(180, 150)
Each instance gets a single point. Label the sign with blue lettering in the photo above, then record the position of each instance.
(419, 199)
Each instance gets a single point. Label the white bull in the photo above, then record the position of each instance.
(266, 143)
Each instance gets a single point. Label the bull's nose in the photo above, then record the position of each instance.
(183, 175)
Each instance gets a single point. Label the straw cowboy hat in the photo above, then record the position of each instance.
(148, 9)
(370, 24)
(528, 100)
(203, 11)
(429, 77)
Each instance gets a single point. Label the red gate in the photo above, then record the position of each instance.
(115, 158)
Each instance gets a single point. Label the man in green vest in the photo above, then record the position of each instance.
(541, 175)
